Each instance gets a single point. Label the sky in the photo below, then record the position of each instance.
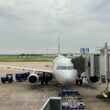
(33, 26)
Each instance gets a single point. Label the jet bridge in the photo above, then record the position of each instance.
(98, 64)
(53, 103)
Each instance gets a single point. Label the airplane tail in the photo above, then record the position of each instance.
(58, 46)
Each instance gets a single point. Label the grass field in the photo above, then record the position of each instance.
(25, 58)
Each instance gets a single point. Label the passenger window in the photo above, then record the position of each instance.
(64, 67)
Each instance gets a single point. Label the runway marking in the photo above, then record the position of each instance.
(26, 102)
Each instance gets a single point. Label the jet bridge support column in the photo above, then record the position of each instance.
(105, 57)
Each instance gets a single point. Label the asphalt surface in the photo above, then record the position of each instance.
(88, 95)
(23, 96)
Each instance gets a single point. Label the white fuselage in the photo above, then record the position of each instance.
(63, 70)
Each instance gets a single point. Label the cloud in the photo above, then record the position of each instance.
(28, 24)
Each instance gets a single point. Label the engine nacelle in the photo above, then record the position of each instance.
(94, 79)
(33, 78)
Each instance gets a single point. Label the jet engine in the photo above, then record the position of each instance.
(33, 78)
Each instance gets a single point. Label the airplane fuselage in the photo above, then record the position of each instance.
(63, 70)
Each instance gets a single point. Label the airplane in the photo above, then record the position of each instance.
(63, 71)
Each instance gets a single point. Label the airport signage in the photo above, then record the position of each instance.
(84, 50)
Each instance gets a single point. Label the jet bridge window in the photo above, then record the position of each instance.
(65, 67)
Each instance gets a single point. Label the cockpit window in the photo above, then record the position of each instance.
(65, 67)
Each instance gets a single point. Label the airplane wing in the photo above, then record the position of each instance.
(25, 68)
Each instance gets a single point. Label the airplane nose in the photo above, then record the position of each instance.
(69, 77)
(66, 77)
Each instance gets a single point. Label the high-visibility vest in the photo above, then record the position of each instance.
(105, 95)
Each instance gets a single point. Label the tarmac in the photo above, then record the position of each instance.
(24, 96)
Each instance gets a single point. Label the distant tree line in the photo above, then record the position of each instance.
(28, 55)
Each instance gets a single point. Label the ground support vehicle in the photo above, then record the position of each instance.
(8, 78)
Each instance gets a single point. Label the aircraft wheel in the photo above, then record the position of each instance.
(42, 82)
(46, 82)
(81, 81)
